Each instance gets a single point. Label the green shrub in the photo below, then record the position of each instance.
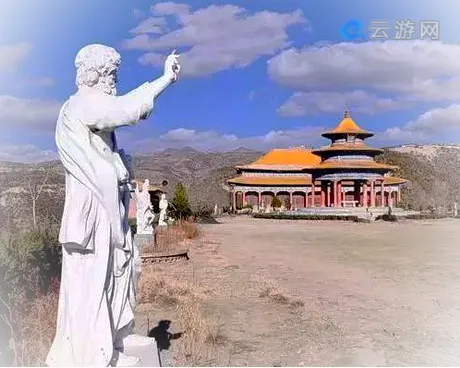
(363, 220)
(180, 205)
(389, 217)
(133, 225)
(276, 202)
(30, 267)
(203, 213)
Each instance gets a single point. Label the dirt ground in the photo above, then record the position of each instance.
(293, 293)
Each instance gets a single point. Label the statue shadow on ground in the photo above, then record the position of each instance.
(162, 336)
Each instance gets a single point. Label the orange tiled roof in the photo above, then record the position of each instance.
(353, 165)
(393, 180)
(270, 180)
(288, 181)
(295, 158)
(348, 125)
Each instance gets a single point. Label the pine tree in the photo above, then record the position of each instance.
(180, 203)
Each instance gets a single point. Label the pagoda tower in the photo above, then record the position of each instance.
(348, 174)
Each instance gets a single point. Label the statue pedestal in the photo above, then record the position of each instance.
(141, 239)
(148, 354)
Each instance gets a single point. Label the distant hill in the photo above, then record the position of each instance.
(204, 175)
(433, 171)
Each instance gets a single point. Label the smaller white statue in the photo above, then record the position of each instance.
(149, 217)
(455, 209)
(144, 209)
(163, 208)
(216, 210)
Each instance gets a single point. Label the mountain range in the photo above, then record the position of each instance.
(432, 169)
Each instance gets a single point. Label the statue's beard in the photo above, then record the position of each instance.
(104, 86)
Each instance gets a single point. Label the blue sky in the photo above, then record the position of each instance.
(256, 74)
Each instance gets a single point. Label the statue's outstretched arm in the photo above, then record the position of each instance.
(107, 112)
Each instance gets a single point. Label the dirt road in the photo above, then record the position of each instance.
(320, 293)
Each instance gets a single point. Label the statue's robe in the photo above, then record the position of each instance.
(96, 301)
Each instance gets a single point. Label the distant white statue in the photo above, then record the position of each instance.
(216, 210)
(97, 296)
(455, 209)
(149, 217)
(163, 209)
(144, 209)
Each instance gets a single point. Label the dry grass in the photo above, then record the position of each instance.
(33, 325)
(272, 291)
(162, 291)
(185, 299)
(173, 236)
(202, 335)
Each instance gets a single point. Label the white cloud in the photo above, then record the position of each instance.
(12, 55)
(418, 70)
(213, 141)
(170, 8)
(150, 25)
(26, 153)
(216, 38)
(316, 103)
(437, 121)
(435, 125)
(38, 115)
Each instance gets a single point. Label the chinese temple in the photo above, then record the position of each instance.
(342, 174)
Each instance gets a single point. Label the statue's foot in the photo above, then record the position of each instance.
(123, 360)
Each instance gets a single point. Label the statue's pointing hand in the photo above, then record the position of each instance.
(172, 66)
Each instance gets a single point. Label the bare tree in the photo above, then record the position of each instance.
(35, 189)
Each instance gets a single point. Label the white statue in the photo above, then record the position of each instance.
(149, 217)
(163, 208)
(97, 294)
(144, 209)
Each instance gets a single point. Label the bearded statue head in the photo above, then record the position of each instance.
(97, 67)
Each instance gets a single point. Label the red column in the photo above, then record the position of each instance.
(323, 195)
(334, 192)
(306, 199)
(382, 190)
(313, 193)
(372, 193)
(398, 196)
(390, 198)
(291, 203)
(357, 191)
(339, 194)
(234, 199)
(260, 199)
(244, 199)
(328, 194)
(365, 194)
